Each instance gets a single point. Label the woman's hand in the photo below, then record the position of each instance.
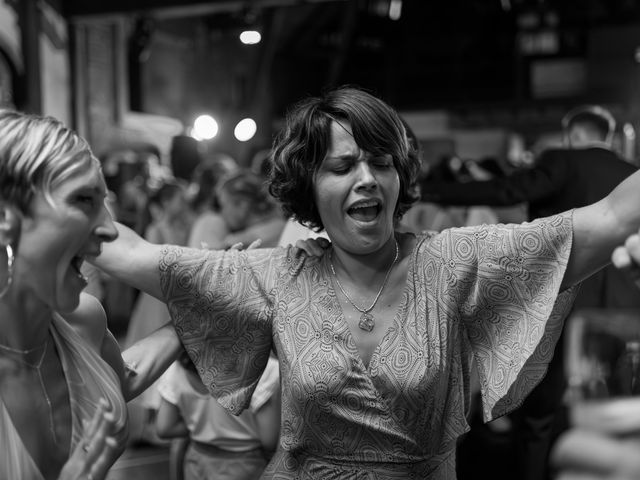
(95, 453)
(314, 247)
(240, 246)
(627, 258)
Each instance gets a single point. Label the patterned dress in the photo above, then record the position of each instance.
(89, 378)
(485, 294)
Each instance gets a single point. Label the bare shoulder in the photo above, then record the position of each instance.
(89, 320)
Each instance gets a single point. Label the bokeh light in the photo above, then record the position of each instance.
(250, 37)
(245, 129)
(205, 127)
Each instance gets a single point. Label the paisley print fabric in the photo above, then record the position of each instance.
(89, 378)
(485, 294)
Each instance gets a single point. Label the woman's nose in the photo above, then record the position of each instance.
(106, 229)
(366, 178)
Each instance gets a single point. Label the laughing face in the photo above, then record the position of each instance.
(56, 238)
(356, 194)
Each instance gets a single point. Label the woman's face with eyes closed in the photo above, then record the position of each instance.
(356, 194)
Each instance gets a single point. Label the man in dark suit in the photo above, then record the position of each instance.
(578, 175)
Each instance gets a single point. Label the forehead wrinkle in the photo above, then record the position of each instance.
(353, 152)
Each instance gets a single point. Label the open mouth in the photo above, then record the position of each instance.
(365, 211)
(76, 264)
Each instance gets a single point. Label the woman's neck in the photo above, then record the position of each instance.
(368, 267)
(24, 324)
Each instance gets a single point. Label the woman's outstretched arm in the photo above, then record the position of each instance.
(600, 227)
(132, 260)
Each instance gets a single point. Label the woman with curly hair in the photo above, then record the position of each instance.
(376, 334)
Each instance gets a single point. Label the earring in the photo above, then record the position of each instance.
(10, 259)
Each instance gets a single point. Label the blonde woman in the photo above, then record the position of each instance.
(62, 378)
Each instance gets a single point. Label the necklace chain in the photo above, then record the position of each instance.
(37, 366)
(366, 319)
(26, 352)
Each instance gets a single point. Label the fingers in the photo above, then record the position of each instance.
(632, 244)
(314, 247)
(627, 258)
(130, 369)
(239, 246)
(621, 258)
(255, 244)
(94, 454)
(98, 421)
(102, 463)
(99, 445)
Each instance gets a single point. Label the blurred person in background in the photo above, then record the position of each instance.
(431, 216)
(261, 163)
(221, 446)
(209, 228)
(171, 220)
(248, 210)
(170, 214)
(581, 173)
(132, 173)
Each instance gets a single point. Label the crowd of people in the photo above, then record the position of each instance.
(356, 356)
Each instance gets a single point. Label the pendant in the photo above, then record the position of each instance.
(366, 322)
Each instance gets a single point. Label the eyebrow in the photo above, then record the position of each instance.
(94, 189)
(344, 156)
(352, 155)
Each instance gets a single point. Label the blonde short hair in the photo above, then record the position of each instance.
(36, 154)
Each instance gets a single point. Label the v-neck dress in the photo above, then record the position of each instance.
(487, 294)
(89, 378)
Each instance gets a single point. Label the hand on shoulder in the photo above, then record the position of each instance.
(314, 247)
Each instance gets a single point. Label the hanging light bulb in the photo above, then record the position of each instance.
(250, 37)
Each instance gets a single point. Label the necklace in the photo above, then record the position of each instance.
(366, 322)
(36, 366)
(27, 352)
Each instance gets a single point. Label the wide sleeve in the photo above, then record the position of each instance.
(505, 281)
(221, 305)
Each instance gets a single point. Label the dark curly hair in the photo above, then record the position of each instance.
(302, 144)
